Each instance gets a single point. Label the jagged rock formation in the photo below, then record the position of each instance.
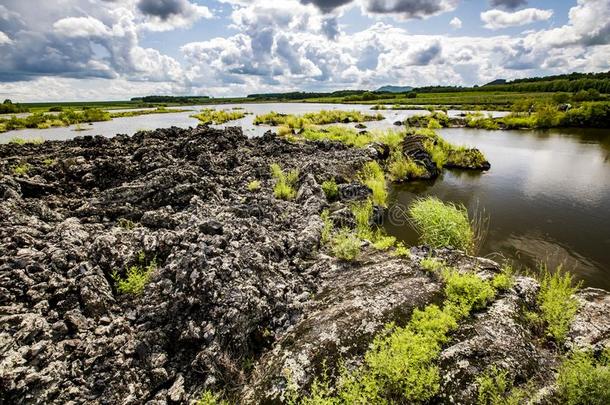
(240, 280)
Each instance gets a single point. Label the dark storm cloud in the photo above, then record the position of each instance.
(162, 9)
(427, 55)
(407, 8)
(509, 4)
(327, 5)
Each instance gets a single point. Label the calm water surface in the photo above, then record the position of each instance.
(131, 125)
(547, 196)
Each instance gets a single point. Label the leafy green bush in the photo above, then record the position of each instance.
(442, 224)
(466, 292)
(136, 277)
(331, 189)
(504, 280)
(557, 302)
(585, 380)
(346, 245)
(284, 182)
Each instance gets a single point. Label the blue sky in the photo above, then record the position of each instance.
(116, 49)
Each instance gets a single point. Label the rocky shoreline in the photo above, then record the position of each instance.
(244, 299)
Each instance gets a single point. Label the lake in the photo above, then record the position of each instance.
(131, 125)
(547, 194)
(547, 197)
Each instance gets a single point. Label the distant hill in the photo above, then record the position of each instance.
(394, 89)
(495, 82)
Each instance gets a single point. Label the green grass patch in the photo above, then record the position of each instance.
(346, 245)
(285, 182)
(372, 176)
(210, 398)
(557, 302)
(442, 224)
(136, 276)
(217, 117)
(21, 169)
(401, 167)
(330, 188)
(254, 186)
(584, 379)
(315, 118)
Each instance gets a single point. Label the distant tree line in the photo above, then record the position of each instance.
(573, 83)
(301, 95)
(8, 107)
(171, 99)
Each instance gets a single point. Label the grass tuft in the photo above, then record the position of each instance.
(136, 277)
(373, 177)
(346, 245)
(442, 224)
(284, 182)
(254, 186)
(331, 189)
(557, 302)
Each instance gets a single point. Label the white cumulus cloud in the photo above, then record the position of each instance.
(497, 19)
(456, 23)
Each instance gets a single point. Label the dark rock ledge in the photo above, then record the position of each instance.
(241, 293)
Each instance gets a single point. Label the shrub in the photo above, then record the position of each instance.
(381, 241)
(557, 302)
(136, 278)
(331, 189)
(584, 380)
(284, 182)
(254, 185)
(346, 245)
(373, 177)
(442, 224)
(126, 224)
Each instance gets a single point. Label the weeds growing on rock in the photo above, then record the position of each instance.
(331, 189)
(254, 186)
(136, 277)
(328, 226)
(373, 177)
(346, 245)
(585, 379)
(400, 366)
(22, 141)
(126, 224)
(315, 118)
(442, 224)
(557, 302)
(284, 182)
(431, 264)
(21, 169)
(210, 398)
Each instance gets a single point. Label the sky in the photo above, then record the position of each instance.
(117, 49)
